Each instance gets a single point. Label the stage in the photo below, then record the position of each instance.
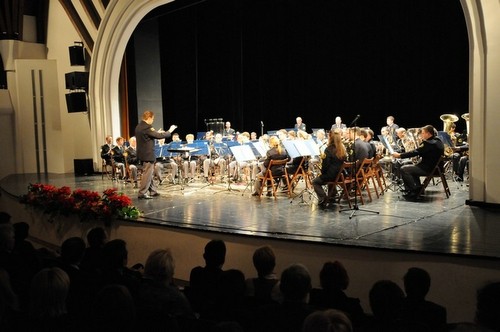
(436, 224)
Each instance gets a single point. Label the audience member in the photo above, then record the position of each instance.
(330, 320)
(385, 300)
(295, 284)
(415, 309)
(488, 307)
(4, 217)
(115, 270)
(159, 302)
(264, 289)
(334, 280)
(92, 260)
(47, 309)
(113, 310)
(203, 281)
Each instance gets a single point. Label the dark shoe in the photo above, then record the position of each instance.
(154, 194)
(135, 184)
(269, 194)
(145, 197)
(255, 194)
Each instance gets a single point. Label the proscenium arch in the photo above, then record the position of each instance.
(122, 17)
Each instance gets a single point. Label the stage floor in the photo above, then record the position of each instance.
(434, 225)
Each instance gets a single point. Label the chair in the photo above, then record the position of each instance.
(378, 172)
(346, 180)
(275, 177)
(437, 172)
(363, 175)
(105, 171)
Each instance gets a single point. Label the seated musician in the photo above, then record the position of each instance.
(164, 160)
(189, 163)
(361, 148)
(276, 152)
(430, 150)
(405, 143)
(321, 142)
(119, 158)
(460, 160)
(335, 155)
(293, 165)
(215, 159)
(132, 160)
(106, 149)
(228, 132)
(237, 168)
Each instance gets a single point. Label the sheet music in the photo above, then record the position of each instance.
(260, 148)
(242, 153)
(291, 149)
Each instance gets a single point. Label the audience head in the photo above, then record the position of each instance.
(21, 230)
(72, 250)
(113, 309)
(488, 306)
(417, 283)
(385, 298)
(115, 254)
(215, 253)
(96, 237)
(49, 290)
(264, 261)
(295, 283)
(327, 321)
(160, 266)
(4, 217)
(333, 276)
(231, 285)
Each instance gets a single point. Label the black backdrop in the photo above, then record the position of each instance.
(249, 61)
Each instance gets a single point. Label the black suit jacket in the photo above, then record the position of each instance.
(145, 135)
(430, 151)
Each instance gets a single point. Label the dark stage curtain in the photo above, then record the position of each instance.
(273, 60)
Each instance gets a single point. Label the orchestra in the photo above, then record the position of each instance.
(397, 150)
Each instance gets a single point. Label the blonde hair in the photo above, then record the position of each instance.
(160, 265)
(274, 142)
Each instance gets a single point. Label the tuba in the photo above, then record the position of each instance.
(465, 116)
(448, 119)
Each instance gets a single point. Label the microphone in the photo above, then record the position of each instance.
(262, 123)
(355, 120)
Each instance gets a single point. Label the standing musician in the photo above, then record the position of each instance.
(228, 131)
(276, 152)
(299, 125)
(431, 149)
(338, 124)
(335, 155)
(391, 127)
(145, 135)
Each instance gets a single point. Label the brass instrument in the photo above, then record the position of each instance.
(413, 134)
(448, 119)
(465, 116)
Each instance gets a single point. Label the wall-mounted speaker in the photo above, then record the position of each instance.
(77, 55)
(76, 102)
(77, 80)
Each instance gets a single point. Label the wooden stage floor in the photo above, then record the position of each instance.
(434, 225)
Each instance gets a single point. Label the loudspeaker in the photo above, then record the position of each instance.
(77, 80)
(76, 55)
(83, 167)
(76, 102)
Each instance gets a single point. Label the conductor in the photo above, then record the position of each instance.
(145, 135)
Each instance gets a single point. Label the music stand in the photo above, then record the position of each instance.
(242, 153)
(355, 206)
(305, 149)
(394, 180)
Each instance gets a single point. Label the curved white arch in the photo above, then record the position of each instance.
(483, 23)
(120, 20)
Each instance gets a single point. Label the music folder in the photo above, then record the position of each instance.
(300, 148)
(386, 144)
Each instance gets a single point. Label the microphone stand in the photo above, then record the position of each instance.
(354, 176)
(261, 128)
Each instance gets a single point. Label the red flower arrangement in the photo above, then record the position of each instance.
(89, 205)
